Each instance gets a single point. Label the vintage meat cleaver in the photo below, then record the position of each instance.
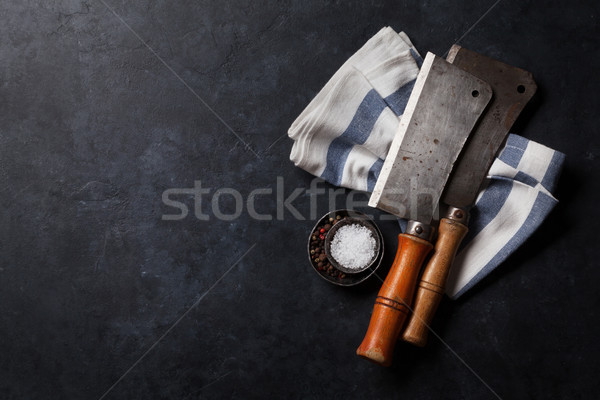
(513, 88)
(443, 108)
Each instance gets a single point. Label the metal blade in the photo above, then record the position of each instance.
(513, 88)
(441, 112)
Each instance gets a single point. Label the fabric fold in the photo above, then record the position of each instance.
(357, 112)
(512, 206)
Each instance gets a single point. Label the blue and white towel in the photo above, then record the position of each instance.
(344, 135)
(516, 199)
(346, 131)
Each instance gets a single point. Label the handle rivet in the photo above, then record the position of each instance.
(458, 214)
(419, 230)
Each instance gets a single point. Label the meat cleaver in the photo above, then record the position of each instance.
(513, 88)
(443, 108)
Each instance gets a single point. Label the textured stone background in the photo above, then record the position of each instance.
(101, 297)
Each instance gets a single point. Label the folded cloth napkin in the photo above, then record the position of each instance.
(345, 132)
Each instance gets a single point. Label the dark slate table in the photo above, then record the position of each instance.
(105, 105)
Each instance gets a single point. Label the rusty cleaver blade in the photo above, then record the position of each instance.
(513, 88)
(443, 108)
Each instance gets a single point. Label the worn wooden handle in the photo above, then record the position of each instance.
(393, 301)
(433, 281)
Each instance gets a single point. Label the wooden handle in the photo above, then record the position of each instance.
(431, 287)
(393, 301)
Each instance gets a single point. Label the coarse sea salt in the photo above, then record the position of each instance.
(353, 246)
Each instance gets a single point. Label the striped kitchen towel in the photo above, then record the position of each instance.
(344, 135)
(516, 199)
(346, 131)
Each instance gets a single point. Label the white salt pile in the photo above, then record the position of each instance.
(353, 246)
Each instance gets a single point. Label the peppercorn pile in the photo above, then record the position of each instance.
(317, 249)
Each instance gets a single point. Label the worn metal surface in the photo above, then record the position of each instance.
(513, 88)
(444, 106)
(420, 230)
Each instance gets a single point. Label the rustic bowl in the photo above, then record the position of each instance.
(350, 279)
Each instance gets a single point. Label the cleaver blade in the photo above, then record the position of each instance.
(443, 108)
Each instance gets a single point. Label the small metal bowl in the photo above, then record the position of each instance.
(358, 220)
(349, 279)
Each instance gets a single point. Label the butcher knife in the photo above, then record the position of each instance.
(512, 89)
(443, 108)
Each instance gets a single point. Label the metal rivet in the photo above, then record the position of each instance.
(419, 230)
(458, 214)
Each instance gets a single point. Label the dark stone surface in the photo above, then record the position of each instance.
(99, 295)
